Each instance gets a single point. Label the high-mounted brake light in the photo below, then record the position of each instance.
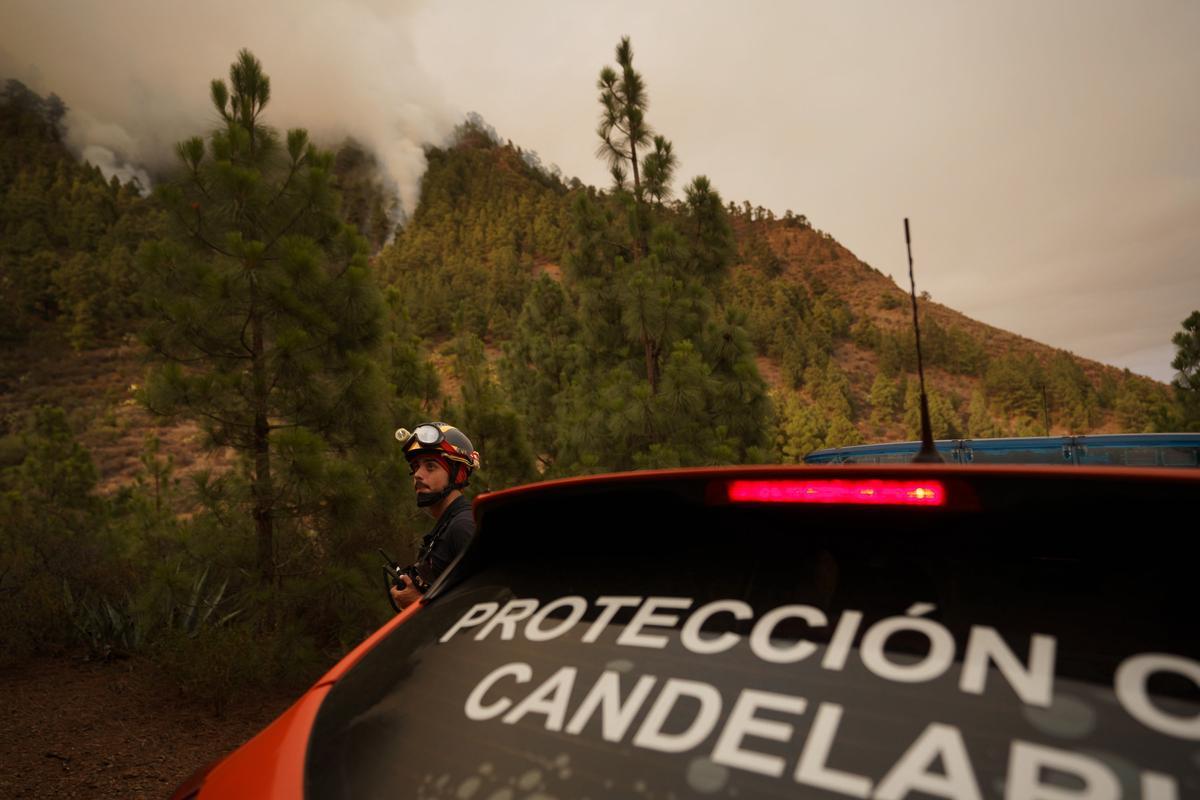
(870, 492)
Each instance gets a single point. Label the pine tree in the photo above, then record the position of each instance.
(539, 361)
(942, 417)
(494, 427)
(842, 433)
(802, 429)
(264, 310)
(659, 169)
(885, 400)
(623, 127)
(980, 424)
(1143, 406)
(1072, 399)
(1187, 371)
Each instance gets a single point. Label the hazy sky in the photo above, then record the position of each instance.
(1047, 153)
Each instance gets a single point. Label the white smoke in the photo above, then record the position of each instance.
(135, 76)
(107, 146)
(111, 164)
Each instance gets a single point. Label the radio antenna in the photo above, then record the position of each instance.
(928, 454)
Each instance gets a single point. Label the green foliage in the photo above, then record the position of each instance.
(406, 365)
(632, 362)
(659, 170)
(1143, 406)
(623, 127)
(943, 417)
(1015, 385)
(202, 608)
(265, 315)
(53, 530)
(495, 428)
(980, 423)
(365, 202)
(842, 433)
(802, 429)
(757, 251)
(658, 374)
(539, 362)
(108, 630)
(787, 322)
(1072, 398)
(865, 334)
(1187, 372)
(466, 259)
(952, 348)
(66, 234)
(885, 399)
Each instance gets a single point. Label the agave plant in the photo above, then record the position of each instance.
(108, 631)
(201, 608)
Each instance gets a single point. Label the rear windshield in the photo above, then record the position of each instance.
(626, 644)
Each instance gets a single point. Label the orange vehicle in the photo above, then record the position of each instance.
(888, 632)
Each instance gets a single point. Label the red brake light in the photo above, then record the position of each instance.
(867, 492)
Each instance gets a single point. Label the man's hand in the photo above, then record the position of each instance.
(407, 596)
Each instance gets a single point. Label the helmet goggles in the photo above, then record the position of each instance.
(427, 435)
(438, 439)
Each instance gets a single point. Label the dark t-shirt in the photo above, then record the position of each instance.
(449, 536)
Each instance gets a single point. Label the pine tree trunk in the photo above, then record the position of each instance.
(261, 488)
(651, 363)
(637, 202)
(637, 183)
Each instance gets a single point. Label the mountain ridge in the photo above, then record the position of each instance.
(491, 219)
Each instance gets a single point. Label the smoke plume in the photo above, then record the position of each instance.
(135, 75)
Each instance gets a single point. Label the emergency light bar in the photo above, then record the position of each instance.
(867, 492)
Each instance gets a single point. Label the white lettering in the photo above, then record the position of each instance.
(550, 699)
(760, 637)
(912, 772)
(650, 735)
(842, 640)
(513, 612)
(690, 635)
(533, 629)
(812, 769)
(632, 636)
(615, 716)
(1134, 695)
(1027, 761)
(1033, 684)
(611, 606)
(476, 710)
(743, 723)
(930, 666)
(478, 613)
(1156, 786)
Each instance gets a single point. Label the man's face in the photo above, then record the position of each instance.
(429, 476)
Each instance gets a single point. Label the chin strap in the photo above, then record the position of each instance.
(432, 498)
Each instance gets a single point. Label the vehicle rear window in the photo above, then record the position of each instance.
(642, 644)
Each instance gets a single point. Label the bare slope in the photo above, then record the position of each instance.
(815, 259)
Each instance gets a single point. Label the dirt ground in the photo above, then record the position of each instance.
(70, 728)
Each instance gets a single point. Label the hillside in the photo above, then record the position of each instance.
(490, 224)
(815, 259)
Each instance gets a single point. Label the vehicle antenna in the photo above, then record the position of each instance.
(928, 454)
